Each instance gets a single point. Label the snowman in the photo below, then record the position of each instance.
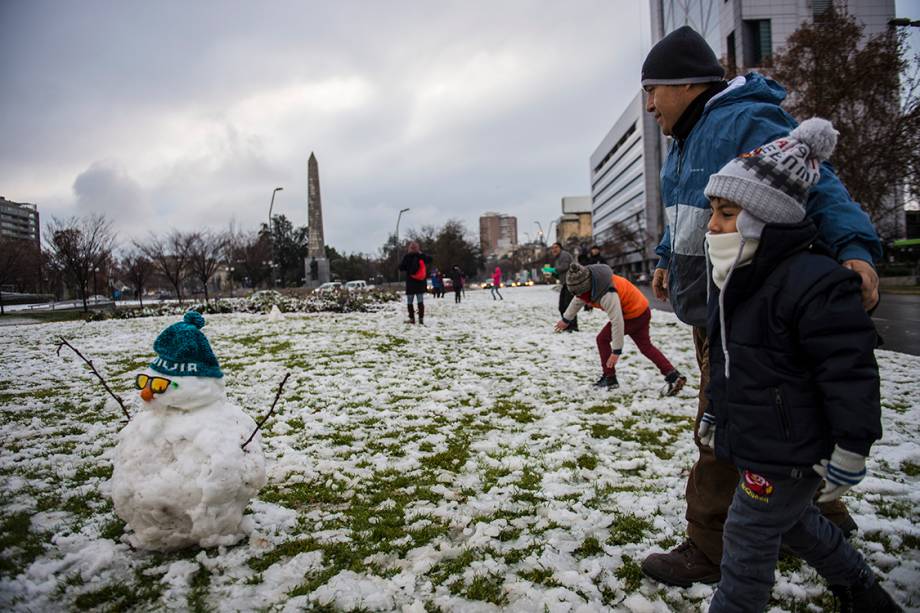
(180, 475)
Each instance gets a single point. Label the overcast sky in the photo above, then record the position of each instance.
(188, 114)
(167, 114)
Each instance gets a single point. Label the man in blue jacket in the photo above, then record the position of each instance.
(710, 122)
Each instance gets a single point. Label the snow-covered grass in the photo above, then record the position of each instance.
(467, 465)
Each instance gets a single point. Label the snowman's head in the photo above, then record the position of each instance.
(185, 374)
(182, 393)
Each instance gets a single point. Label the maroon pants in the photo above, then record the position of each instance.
(636, 329)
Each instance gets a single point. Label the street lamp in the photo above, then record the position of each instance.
(95, 289)
(540, 233)
(398, 217)
(551, 225)
(231, 280)
(270, 206)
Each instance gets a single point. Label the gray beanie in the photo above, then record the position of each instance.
(771, 183)
(578, 279)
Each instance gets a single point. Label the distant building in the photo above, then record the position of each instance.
(627, 217)
(575, 222)
(753, 31)
(19, 220)
(497, 234)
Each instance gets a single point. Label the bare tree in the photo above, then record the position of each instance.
(138, 268)
(869, 89)
(207, 250)
(10, 259)
(170, 257)
(79, 245)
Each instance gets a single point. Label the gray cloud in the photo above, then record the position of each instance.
(200, 109)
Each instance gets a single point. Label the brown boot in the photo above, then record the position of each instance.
(421, 314)
(411, 319)
(683, 566)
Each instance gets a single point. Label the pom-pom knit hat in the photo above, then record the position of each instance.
(578, 279)
(771, 182)
(681, 57)
(183, 351)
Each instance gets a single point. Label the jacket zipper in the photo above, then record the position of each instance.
(781, 410)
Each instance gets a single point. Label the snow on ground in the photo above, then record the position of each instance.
(467, 465)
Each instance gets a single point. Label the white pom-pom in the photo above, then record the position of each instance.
(820, 136)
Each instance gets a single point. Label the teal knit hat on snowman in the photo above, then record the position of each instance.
(183, 351)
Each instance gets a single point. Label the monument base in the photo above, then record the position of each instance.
(316, 271)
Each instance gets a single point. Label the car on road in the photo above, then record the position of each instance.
(328, 287)
(356, 285)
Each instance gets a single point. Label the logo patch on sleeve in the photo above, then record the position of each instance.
(756, 486)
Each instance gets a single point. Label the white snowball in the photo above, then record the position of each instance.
(180, 477)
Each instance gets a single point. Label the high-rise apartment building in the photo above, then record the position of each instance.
(19, 220)
(752, 31)
(497, 234)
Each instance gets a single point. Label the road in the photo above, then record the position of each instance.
(897, 320)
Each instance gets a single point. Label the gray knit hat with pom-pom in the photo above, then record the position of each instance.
(771, 182)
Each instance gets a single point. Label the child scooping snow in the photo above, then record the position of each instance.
(629, 314)
(794, 394)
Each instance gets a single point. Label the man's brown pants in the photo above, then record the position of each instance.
(712, 482)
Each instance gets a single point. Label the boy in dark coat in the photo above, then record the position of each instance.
(794, 388)
(415, 264)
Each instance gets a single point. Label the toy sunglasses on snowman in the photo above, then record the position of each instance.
(183, 352)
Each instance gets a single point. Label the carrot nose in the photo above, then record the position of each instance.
(147, 394)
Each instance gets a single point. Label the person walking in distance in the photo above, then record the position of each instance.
(711, 122)
(629, 314)
(457, 276)
(415, 265)
(562, 260)
(496, 283)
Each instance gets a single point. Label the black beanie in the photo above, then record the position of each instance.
(683, 56)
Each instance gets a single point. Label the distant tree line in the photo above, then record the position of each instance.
(80, 257)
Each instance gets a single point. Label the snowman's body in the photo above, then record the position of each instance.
(180, 476)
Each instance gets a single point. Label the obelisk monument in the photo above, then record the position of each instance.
(316, 265)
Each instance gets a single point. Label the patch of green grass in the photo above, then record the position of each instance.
(282, 551)
(299, 495)
(910, 469)
(539, 576)
(198, 594)
(18, 544)
(453, 458)
(99, 470)
(113, 529)
(295, 423)
(487, 588)
(445, 569)
(788, 563)
(628, 430)
(588, 461)
(529, 486)
(630, 573)
(589, 547)
(628, 528)
(893, 508)
(391, 343)
(520, 412)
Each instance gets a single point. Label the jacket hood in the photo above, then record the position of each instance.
(756, 88)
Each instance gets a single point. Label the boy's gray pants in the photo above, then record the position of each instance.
(764, 513)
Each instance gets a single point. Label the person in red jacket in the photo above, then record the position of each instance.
(629, 314)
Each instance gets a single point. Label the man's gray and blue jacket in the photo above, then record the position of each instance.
(744, 116)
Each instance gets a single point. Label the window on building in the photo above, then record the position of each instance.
(730, 46)
(758, 41)
(819, 7)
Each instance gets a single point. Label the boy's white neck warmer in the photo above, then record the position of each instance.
(726, 252)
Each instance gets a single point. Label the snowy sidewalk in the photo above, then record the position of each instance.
(467, 465)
